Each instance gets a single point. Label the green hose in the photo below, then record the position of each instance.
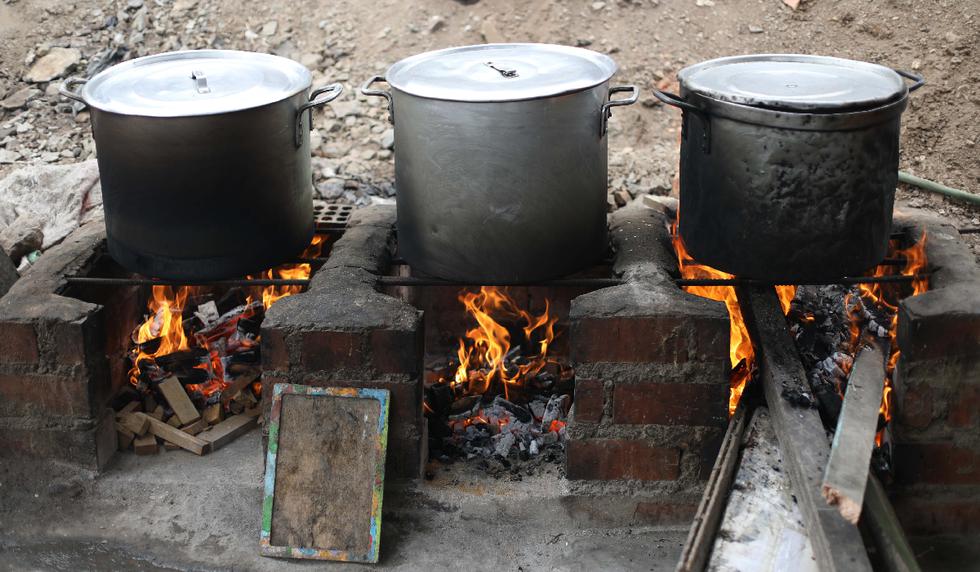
(937, 188)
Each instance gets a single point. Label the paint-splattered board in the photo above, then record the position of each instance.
(324, 475)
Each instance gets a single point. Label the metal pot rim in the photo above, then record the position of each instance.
(843, 120)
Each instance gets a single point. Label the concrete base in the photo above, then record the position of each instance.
(175, 511)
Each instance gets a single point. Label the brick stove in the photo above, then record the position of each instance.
(651, 362)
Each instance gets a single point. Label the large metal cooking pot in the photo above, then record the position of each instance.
(204, 158)
(789, 164)
(500, 159)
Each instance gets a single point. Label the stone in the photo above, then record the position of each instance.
(269, 28)
(344, 109)
(63, 196)
(8, 273)
(23, 236)
(598, 6)
(184, 5)
(19, 98)
(388, 139)
(56, 63)
(755, 29)
(436, 23)
(7, 156)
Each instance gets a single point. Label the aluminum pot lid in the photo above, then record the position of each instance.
(197, 82)
(500, 72)
(794, 82)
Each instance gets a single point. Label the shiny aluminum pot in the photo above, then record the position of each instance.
(789, 164)
(500, 160)
(204, 159)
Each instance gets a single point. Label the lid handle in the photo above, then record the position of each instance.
(202, 81)
(506, 72)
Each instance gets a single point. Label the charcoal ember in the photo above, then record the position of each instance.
(542, 381)
(233, 298)
(504, 444)
(555, 410)
(464, 403)
(243, 358)
(183, 359)
(194, 376)
(439, 398)
(522, 415)
(252, 325)
(537, 407)
(799, 398)
(150, 346)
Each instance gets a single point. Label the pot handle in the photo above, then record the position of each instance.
(918, 79)
(607, 106)
(671, 99)
(366, 90)
(332, 91)
(66, 91)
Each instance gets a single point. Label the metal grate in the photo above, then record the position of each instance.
(327, 217)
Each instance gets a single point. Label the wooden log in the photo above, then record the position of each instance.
(214, 414)
(157, 413)
(135, 422)
(129, 408)
(846, 475)
(896, 554)
(125, 437)
(837, 544)
(195, 427)
(238, 384)
(700, 539)
(228, 430)
(146, 445)
(173, 392)
(176, 436)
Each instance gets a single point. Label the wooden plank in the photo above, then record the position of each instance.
(195, 427)
(238, 384)
(214, 414)
(228, 430)
(125, 437)
(837, 544)
(846, 475)
(135, 422)
(173, 392)
(176, 436)
(146, 445)
(888, 534)
(700, 539)
(157, 413)
(325, 473)
(174, 421)
(129, 408)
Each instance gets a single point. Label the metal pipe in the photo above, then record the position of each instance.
(95, 281)
(935, 187)
(566, 282)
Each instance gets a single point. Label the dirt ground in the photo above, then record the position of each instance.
(348, 41)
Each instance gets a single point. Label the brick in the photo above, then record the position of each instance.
(404, 459)
(964, 411)
(615, 459)
(657, 339)
(915, 406)
(703, 404)
(68, 340)
(927, 517)
(275, 354)
(936, 463)
(332, 350)
(18, 343)
(588, 401)
(940, 324)
(38, 394)
(396, 351)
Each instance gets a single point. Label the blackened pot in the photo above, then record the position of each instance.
(204, 159)
(788, 193)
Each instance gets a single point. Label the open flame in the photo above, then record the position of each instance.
(886, 296)
(741, 352)
(163, 333)
(482, 353)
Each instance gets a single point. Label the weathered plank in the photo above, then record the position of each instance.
(135, 422)
(176, 436)
(700, 539)
(837, 544)
(238, 384)
(325, 473)
(214, 414)
(184, 409)
(846, 475)
(146, 445)
(195, 427)
(228, 430)
(896, 554)
(124, 437)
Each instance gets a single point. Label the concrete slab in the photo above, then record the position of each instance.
(176, 511)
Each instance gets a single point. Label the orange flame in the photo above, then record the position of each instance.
(482, 353)
(883, 296)
(165, 322)
(740, 345)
